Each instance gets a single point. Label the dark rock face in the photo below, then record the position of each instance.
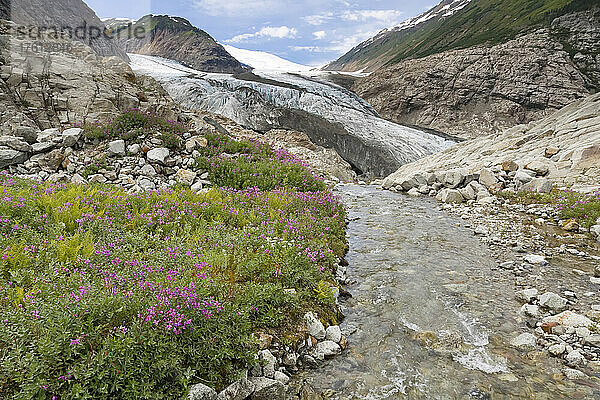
(74, 15)
(483, 90)
(176, 39)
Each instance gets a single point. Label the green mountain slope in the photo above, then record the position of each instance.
(480, 22)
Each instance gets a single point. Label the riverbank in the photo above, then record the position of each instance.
(208, 264)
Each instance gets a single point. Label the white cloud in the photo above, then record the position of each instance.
(385, 16)
(319, 35)
(318, 19)
(279, 32)
(236, 8)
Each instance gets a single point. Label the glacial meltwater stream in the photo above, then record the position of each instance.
(429, 317)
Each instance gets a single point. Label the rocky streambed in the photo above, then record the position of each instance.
(453, 302)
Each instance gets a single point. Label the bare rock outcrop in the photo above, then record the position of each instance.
(481, 90)
(562, 149)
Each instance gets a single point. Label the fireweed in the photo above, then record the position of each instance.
(104, 294)
(583, 207)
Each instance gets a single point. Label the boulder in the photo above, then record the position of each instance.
(488, 179)
(334, 333)
(468, 193)
(523, 177)
(538, 185)
(27, 133)
(52, 160)
(552, 302)
(551, 152)
(15, 143)
(450, 196)
(557, 349)
(10, 156)
(525, 341)
(569, 318)
(454, 178)
(238, 390)
(541, 167)
(510, 166)
(71, 136)
(530, 310)
(571, 226)
(116, 148)
(158, 155)
(314, 326)
(48, 135)
(575, 358)
(281, 377)
(535, 259)
(185, 177)
(327, 349)
(195, 143)
(267, 389)
(134, 149)
(527, 295)
(269, 363)
(201, 392)
(595, 230)
(42, 147)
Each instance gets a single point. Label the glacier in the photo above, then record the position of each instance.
(307, 101)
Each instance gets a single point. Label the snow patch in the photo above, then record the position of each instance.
(264, 61)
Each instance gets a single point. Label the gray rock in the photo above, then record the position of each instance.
(48, 135)
(238, 390)
(523, 177)
(116, 148)
(15, 143)
(527, 295)
(71, 136)
(146, 184)
(552, 302)
(97, 178)
(134, 149)
(450, 196)
(569, 319)
(525, 341)
(328, 348)
(185, 177)
(573, 374)
(201, 392)
(530, 310)
(79, 179)
(11, 157)
(314, 326)
(148, 170)
(575, 358)
(281, 377)
(27, 133)
(158, 155)
(593, 340)
(454, 178)
(267, 389)
(269, 363)
(557, 349)
(595, 230)
(487, 178)
(42, 147)
(333, 333)
(536, 259)
(539, 185)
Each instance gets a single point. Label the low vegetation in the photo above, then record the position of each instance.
(584, 208)
(105, 294)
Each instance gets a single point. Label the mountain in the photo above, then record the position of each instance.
(483, 66)
(177, 39)
(455, 24)
(73, 14)
(264, 61)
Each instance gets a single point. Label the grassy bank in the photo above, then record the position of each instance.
(584, 208)
(107, 295)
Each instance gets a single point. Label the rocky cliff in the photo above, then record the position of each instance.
(483, 90)
(176, 39)
(562, 149)
(74, 15)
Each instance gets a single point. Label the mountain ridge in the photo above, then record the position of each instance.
(177, 39)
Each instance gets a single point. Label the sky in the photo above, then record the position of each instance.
(309, 32)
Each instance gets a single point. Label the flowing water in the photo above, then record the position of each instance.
(429, 316)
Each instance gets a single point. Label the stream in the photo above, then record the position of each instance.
(430, 316)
